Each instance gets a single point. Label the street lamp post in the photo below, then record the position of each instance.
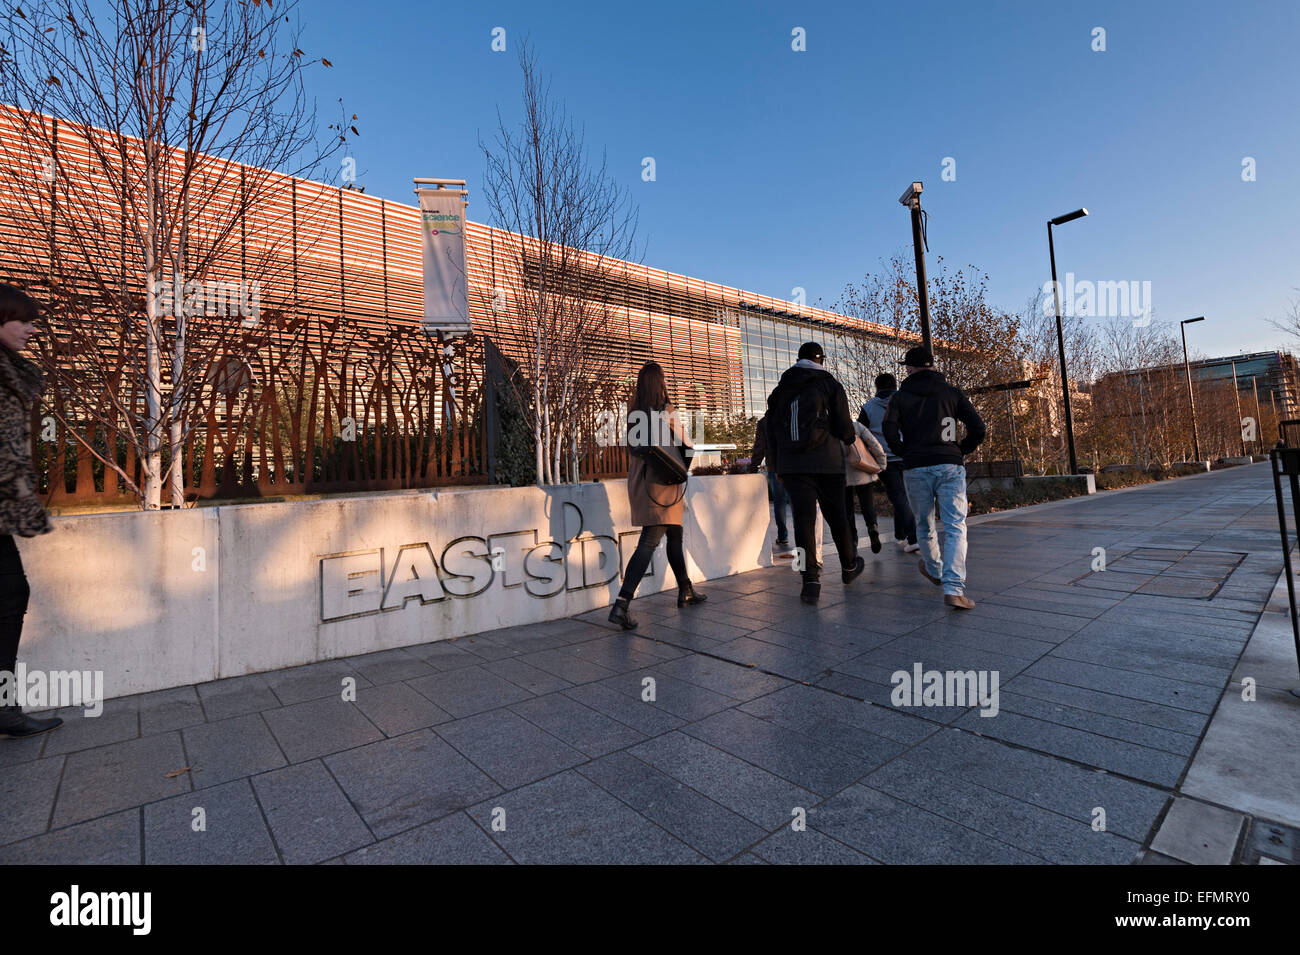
(1060, 332)
(1236, 393)
(1254, 386)
(911, 198)
(1191, 397)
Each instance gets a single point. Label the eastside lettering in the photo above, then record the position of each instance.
(389, 579)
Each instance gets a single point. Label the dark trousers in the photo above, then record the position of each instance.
(13, 602)
(780, 506)
(806, 492)
(645, 548)
(866, 498)
(904, 520)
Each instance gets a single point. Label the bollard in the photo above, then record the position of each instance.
(1286, 461)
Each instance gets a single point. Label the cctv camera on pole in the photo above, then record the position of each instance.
(911, 198)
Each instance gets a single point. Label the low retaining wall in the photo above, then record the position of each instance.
(1084, 483)
(166, 599)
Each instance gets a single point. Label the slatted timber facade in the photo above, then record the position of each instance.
(338, 337)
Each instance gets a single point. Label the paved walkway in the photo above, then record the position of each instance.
(538, 744)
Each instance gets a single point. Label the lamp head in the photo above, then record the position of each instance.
(911, 194)
(1068, 217)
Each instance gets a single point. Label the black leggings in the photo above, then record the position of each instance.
(863, 494)
(651, 535)
(13, 602)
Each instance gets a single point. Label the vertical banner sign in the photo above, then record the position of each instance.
(442, 233)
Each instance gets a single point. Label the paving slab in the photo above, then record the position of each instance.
(567, 820)
(1243, 760)
(454, 840)
(108, 840)
(310, 818)
(231, 749)
(511, 750)
(1199, 834)
(319, 727)
(406, 781)
(222, 825)
(706, 826)
(120, 775)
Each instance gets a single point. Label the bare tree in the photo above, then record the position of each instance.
(975, 343)
(1289, 323)
(569, 220)
(157, 134)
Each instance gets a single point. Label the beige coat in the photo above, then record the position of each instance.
(651, 502)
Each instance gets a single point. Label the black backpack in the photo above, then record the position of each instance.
(799, 420)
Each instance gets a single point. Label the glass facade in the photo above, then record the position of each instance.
(1273, 373)
(770, 344)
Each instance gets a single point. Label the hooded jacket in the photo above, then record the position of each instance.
(873, 416)
(828, 458)
(918, 416)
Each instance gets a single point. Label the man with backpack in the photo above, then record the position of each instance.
(921, 427)
(873, 416)
(808, 425)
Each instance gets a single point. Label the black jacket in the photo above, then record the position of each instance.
(759, 453)
(914, 424)
(828, 458)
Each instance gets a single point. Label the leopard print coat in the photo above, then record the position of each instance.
(21, 511)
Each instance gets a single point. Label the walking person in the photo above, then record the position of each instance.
(873, 416)
(775, 489)
(861, 470)
(656, 507)
(21, 512)
(921, 427)
(808, 425)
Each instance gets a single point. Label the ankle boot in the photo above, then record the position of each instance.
(618, 614)
(15, 724)
(686, 595)
(812, 591)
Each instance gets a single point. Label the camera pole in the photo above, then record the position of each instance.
(912, 199)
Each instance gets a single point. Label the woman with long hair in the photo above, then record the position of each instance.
(656, 508)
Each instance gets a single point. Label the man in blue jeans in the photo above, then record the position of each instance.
(921, 426)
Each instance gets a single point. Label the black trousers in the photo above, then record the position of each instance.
(806, 492)
(14, 592)
(651, 535)
(904, 520)
(866, 498)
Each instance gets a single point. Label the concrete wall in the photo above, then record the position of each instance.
(172, 598)
(1083, 483)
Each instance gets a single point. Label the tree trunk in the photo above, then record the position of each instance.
(152, 463)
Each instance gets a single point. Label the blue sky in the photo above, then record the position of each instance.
(779, 169)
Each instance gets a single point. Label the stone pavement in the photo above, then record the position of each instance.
(536, 744)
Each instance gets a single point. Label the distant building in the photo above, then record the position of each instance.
(1274, 373)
